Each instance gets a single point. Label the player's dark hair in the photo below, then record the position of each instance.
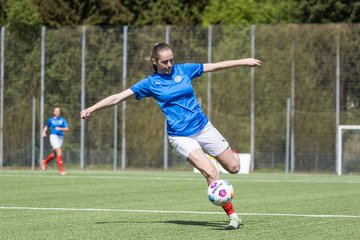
(158, 47)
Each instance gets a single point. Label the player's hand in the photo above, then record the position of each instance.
(44, 135)
(252, 62)
(84, 114)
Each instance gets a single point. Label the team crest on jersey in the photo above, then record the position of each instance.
(178, 78)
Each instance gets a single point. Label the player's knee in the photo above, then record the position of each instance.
(234, 169)
(58, 151)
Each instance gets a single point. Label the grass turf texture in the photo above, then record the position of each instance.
(175, 191)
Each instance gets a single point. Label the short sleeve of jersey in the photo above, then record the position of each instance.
(194, 70)
(48, 123)
(141, 89)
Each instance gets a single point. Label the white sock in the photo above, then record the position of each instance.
(233, 215)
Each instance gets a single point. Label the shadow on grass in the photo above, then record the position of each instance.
(214, 225)
(198, 223)
(120, 222)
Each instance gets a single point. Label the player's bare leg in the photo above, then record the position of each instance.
(230, 163)
(199, 160)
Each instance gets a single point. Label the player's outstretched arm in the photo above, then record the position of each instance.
(107, 102)
(249, 62)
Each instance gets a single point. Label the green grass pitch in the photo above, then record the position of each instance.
(174, 205)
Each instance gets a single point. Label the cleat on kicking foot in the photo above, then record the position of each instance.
(63, 173)
(233, 224)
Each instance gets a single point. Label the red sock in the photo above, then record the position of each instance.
(49, 158)
(228, 208)
(60, 163)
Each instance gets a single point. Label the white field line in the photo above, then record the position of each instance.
(176, 212)
(241, 179)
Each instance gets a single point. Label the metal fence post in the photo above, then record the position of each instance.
(292, 102)
(2, 95)
(116, 127)
(252, 103)
(82, 122)
(123, 110)
(42, 79)
(209, 73)
(287, 150)
(33, 134)
(337, 111)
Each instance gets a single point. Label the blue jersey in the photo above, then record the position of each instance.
(175, 95)
(54, 122)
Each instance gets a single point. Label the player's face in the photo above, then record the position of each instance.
(165, 62)
(57, 112)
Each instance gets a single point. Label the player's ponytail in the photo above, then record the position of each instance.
(155, 52)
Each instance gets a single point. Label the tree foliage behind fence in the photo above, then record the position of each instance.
(302, 56)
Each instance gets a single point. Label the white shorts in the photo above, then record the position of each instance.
(208, 139)
(56, 141)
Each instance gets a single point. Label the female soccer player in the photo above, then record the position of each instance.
(57, 125)
(189, 130)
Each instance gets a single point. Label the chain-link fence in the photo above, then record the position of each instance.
(316, 67)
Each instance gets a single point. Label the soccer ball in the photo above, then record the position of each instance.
(220, 192)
